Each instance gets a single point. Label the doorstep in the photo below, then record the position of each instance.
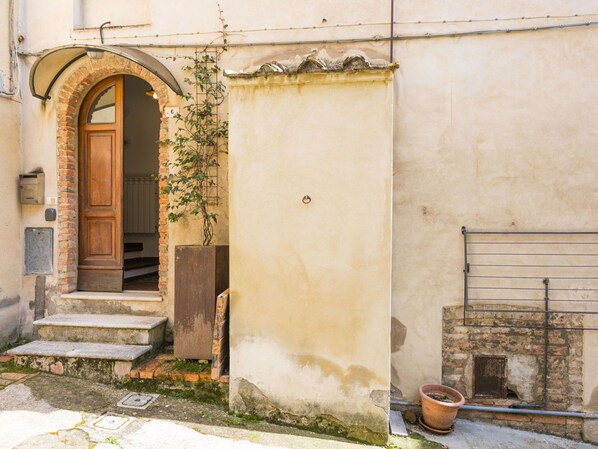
(126, 295)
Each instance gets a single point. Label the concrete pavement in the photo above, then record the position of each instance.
(52, 412)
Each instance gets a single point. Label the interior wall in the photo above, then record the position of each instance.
(141, 135)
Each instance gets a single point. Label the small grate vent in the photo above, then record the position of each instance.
(490, 376)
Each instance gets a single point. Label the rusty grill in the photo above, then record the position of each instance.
(490, 376)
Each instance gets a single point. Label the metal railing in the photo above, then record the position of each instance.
(515, 273)
(532, 280)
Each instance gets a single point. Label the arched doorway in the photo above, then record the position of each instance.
(119, 128)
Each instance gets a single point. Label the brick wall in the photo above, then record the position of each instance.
(524, 349)
(70, 96)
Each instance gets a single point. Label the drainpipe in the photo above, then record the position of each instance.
(392, 30)
(520, 411)
(11, 52)
(396, 405)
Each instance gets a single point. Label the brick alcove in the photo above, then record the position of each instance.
(70, 96)
(522, 347)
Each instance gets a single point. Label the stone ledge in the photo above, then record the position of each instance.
(127, 295)
(102, 351)
(102, 321)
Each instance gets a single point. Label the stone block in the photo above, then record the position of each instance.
(512, 417)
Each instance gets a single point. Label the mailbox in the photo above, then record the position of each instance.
(31, 186)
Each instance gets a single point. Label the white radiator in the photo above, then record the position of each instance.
(140, 205)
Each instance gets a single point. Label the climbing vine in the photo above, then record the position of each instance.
(201, 135)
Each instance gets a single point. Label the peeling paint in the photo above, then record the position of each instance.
(250, 400)
(381, 398)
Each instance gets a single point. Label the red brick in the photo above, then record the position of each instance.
(12, 376)
(146, 374)
(57, 368)
(553, 420)
(512, 417)
(191, 377)
(73, 90)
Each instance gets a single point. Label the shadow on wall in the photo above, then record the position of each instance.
(9, 321)
(398, 333)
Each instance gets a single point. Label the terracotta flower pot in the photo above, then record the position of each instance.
(437, 413)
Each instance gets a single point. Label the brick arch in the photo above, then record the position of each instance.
(70, 97)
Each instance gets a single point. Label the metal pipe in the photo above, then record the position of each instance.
(392, 30)
(397, 405)
(546, 324)
(102, 31)
(357, 40)
(521, 411)
(465, 274)
(11, 52)
(546, 281)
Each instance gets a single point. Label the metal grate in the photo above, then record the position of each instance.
(490, 376)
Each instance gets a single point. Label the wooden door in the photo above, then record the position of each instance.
(100, 188)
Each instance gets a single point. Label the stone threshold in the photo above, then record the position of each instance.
(126, 295)
(102, 321)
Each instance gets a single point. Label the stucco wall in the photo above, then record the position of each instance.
(492, 133)
(310, 283)
(11, 241)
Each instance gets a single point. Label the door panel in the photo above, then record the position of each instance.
(99, 168)
(100, 188)
(100, 235)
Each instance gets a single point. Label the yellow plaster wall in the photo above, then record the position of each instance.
(310, 283)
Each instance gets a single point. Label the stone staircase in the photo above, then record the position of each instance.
(96, 347)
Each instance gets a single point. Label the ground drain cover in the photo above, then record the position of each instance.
(109, 421)
(137, 401)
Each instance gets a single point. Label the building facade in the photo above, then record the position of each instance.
(478, 115)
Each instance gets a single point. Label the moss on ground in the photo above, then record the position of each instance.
(208, 392)
(10, 367)
(188, 366)
(413, 441)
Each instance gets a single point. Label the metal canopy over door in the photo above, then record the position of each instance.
(100, 188)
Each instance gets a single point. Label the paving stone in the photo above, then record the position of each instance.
(12, 376)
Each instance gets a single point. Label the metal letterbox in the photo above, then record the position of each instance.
(31, 186)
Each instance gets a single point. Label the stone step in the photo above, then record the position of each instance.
(95, 328)
(95, 361)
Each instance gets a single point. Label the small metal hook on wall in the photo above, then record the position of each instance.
(306, 199)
